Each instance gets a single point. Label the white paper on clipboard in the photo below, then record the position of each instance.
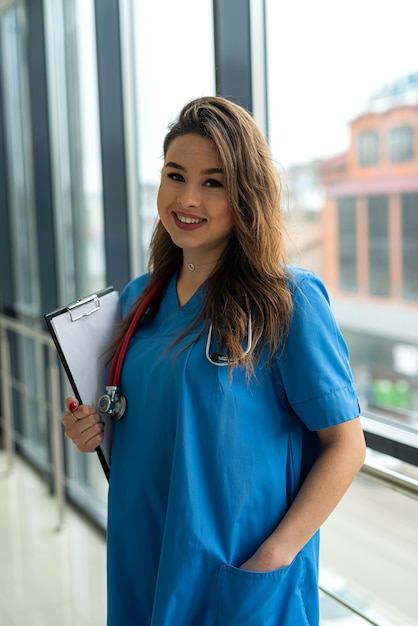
(82, 332)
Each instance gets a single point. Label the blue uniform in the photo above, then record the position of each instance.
(203, 470)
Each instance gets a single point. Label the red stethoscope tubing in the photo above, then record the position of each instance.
(119, 356)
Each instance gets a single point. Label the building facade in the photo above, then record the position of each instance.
(371, 244)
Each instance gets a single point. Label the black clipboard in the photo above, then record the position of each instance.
(82, 332)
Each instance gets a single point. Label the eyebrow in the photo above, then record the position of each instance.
(210, 170)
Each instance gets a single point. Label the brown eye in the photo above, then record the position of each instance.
(212, 182)
(175, 176)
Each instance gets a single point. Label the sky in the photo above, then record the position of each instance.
(326, 57)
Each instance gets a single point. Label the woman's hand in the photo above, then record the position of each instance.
(265, 560)
(83, 425)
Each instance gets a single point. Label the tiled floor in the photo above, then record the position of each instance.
(47, 577)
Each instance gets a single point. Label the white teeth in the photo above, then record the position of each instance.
(188, 220)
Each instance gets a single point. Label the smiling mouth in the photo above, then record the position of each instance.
(189, 220)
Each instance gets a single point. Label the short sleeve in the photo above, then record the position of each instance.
(313, 368)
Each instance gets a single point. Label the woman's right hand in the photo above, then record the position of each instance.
(83, 425)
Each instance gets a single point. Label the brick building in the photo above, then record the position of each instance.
(370, 243)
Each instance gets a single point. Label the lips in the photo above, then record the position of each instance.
(188, 222)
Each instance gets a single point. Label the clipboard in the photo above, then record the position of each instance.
(82, 332)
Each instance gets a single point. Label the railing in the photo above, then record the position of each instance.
(52, 403)
(9, 384)
(404, 484)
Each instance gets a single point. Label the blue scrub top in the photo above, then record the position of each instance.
(204, 469)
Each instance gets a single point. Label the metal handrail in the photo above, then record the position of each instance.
(389, 478)
(348, 606)
(9, 325)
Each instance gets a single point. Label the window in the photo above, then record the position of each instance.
(75, 145)
(151, 102)
(378, 227)
(401, 144)
(347, 239)
(368, 148)
(70, 34)
(410, 246)
(19, 155)
(313, 107)
(31, 421)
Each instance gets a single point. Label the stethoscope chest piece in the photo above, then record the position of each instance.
(112, 403)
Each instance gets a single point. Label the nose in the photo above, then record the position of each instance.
(189, 197)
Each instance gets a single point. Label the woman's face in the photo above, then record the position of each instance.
(192, 199)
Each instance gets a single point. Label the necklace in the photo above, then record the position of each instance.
(192, 267)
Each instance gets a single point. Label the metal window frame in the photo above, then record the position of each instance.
(6, 284)
(241, 55)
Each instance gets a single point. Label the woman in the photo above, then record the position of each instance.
(241, 432)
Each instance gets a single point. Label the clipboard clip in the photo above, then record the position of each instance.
(92, 300)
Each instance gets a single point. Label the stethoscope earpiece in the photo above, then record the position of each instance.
(217, 359)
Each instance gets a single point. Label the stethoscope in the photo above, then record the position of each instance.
(217, 359)
(113, 403)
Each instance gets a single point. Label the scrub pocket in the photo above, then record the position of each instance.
(262, 598)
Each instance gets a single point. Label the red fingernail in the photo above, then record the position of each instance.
(72, 406)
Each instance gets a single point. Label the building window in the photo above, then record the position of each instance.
(378, 222)
(347, 237)
(368, 148)
(401, 144)
(410, 246)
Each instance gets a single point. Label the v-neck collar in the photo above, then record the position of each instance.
(171, 301)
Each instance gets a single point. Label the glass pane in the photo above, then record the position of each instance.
(401, 143)
(73, 98)
(32, 432)
(368, 148)
(77, 185)
(182, 68)
(385, 368)
(410, 246)
(347, 235)
(356, 221)
(378, 227)
(19, 158)
(341, 103)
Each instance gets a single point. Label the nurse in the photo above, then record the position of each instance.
(241, 431)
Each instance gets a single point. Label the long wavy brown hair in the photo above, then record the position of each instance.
(250, 279)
